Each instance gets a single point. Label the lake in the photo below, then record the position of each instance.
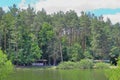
(38, 74)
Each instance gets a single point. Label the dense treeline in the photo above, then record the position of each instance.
(27, 36)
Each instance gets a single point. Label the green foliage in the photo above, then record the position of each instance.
(83, 64)
(45, 39)
(113, 74)
(66, 65)
(102, 65)
(76, 52)
(87, 54)
(29, 53)
(46, 34)
(6, 66)
(86, 64)
(27, 36)
(118, 62)
(115, 51)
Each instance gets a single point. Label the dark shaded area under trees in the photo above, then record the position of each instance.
(27, 36)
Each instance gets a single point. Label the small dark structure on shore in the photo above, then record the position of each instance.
(41, 62)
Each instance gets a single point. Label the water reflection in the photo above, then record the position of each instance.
(36, 74)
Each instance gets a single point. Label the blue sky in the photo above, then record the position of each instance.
(107, 8)
(9, 2)
(97, 12)
(104, 11)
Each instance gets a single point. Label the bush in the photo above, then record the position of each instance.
(83, 64)
(86, 64)
(118, 62)
(66, 65)
(101, 65)
(6, 66)
(114, 73)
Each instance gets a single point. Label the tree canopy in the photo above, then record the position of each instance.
(27, 36)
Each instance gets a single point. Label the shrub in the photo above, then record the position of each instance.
(114, 73)
(66, 65)
(83, 64)
(86, 64)
(101, 65)
(118, 63)
(6, 66)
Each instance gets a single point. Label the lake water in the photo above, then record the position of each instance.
(37, 74)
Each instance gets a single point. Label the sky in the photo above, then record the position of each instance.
(107, 8)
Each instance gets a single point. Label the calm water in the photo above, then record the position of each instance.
(37, 74)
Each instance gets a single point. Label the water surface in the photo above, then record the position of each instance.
(37, 74)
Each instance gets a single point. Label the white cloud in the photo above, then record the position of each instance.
(78, 5)
(114, 18)
(5, 8)
(22, 5)
(52, 6)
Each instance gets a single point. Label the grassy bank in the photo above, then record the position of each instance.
(83, 64)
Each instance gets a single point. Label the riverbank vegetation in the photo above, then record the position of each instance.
(113, 74)
(6, 66)
(83, 64)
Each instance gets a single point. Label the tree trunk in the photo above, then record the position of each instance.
(4, 39)
(61, 54)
